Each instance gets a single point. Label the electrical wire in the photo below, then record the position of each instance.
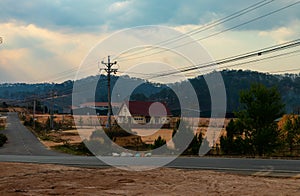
(214, 34)
(207, 26)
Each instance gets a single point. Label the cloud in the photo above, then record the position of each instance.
(54, 14)
(237, 42)
(95, 15)
(284, 33)
(10, 65)
(43, 38)
(32, 52)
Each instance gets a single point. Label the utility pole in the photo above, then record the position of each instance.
(51, 113)
(34, 105)
(109, 70)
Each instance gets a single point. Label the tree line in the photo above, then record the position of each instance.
(255, 131)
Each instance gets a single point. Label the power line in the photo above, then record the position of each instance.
(60, 94)
(263, 59)
(197, 30)
(256, 53)
(66, 73)
(214, 34)
(45, 97)
(208, 26)
(296, 53)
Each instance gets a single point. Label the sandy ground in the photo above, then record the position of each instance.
(34, 179)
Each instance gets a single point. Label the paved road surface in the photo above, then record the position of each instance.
(264, 167)
(24, 147)
(21, 141)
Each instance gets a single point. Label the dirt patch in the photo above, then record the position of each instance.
(2, 122)
(34, 179)
(56, 138)
(149, 136)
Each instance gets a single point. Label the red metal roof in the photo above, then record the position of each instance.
(148, 108)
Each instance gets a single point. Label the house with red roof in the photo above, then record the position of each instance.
(141, 112)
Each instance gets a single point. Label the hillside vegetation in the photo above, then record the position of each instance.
(234, 80)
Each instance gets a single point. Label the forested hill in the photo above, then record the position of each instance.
(288, 86)
(235, 81)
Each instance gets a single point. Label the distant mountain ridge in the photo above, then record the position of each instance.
(234, 80)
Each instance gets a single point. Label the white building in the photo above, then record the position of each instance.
(140, 112)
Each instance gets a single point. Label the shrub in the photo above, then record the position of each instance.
(3, 139)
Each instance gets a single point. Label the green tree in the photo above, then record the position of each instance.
(181, 134)
(99, 143)
(138, 97)
(158, 142)
(195, 144)
(260, 107)
(291, 130)
(227, 142)
(234, 142)
(3, 139)
(4, 105)
(80, 121)
(204, 147)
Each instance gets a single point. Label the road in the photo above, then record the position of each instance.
(23, 146)
(21, 141)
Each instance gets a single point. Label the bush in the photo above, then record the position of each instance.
(158, 142)
(75, 149)
(116, 131)
(3, 139)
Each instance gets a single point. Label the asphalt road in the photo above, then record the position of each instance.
(221, 164)
(23, 146)
(21, 141)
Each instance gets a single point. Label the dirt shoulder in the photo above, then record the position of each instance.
(44, 179)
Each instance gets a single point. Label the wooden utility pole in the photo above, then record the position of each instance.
(52, 111)
(34, 105)
(109, 70)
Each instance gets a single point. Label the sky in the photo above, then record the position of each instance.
(47, 40)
